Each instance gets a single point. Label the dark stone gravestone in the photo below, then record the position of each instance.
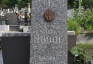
(48, 44)
(16, 48)
(2, 19)
(71, 43)
(12, 18)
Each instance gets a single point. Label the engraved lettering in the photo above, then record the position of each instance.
(46, 39)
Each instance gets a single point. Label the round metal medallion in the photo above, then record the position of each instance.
(49, 15)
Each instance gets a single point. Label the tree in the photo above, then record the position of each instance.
(23, 3)
(70, 3)
(88, 3)
(1, 3)
(11, 3)
(8, 3)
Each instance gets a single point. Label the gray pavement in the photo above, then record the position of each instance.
(91, 61)
(1, 60)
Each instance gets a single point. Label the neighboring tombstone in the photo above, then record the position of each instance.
(48, 44)
(71, 44)
(2, 18)
(15, 48)
(12, 18)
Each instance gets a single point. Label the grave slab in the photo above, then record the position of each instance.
(48, 43)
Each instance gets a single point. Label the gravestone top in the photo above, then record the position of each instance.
(71, 32)
(2, 18)
(14, 34)
(12, 18)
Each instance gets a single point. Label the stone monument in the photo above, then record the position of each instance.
(48, 44)
(12, 18)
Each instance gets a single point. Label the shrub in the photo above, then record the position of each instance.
(88, 48)
(83, 21)
(86, 21)
(73, 24)
(81, 57)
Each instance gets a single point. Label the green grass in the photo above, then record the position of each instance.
(88, 48)
(85, 46)
(89, 53)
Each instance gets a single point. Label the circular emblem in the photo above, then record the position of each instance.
(49, 15)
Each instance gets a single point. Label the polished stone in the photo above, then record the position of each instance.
(48, 44)
(13, 34)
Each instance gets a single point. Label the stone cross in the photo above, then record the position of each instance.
(48, 43)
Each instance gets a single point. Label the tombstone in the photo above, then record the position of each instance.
(2, 18)
(15, 48)
(48, 44)
(12, 18)
(71, 44)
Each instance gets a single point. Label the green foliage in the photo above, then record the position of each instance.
(88, 48)
(73, 24)
(0, 2)
(71, 2)
(88, 3)
(85, 3)
(75, 9)
(81, 57)
(86, 21)
(82, 20)
(84, 53)
(76, 51)
(23, 3)
(75, 4)
(11, 3)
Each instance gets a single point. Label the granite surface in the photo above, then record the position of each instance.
(48, 44)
